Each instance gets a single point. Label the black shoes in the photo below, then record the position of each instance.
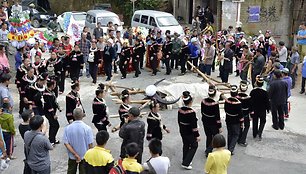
(243, 144)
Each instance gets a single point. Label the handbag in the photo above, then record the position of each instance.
(27, 169)
(151, 170)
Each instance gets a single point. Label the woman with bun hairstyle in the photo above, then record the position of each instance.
(100, 110)
(73, 101)
(123, 109)
(188, 127)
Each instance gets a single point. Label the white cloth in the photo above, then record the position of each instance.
(283, 54)
(160, 164)
(16, 8)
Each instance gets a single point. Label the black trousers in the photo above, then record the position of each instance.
(61, 83)
(100, 126)
(123, 65)
(141, 60)
(74, 73)
(244, 131)
(190, 146)
(233, 131)
(224, 73)
(210, 132)
(53, 128)
(175, 61)
(183, 64)
(194, 61)
(115, 63)
(93, 69)
(258, 130)
(22, 105)
(278, 116)
(167, 63)
(153, 63)
(303, 84)
(108, 69)
(136, 66)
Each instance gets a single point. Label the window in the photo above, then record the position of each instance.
(105, 20)
(136, 18)
(88, 18)
(144, 19)
(167, 21)
(152, 22)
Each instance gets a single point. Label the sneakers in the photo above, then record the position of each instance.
(243, 144)
(187, 167)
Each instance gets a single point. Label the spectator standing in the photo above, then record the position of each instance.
(282, 53)
(5, 94)
(132, 132)
(16, 8)
(293, 64)
(34, 51)
(3, 37)
(303, 76)
(258, 64)
(85, 49)
(108, 57)
(19, 57)
(4, 63)
(8, 128)
(226, 62)
(288, 80)
(99, 160)
(25, 126)
(208, 58)
(98, 31)
(78, 138)
(130, 164)
(176, 50)
(278, 94)
(38, 146)
(157, 163)
(218, 161)
(301, 39)
(94, 60)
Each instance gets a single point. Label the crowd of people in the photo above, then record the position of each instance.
(271, 70)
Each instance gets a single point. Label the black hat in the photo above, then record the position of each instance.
(134, 111)
(243, 85)
(125, 93)
(234, 88)
(211, 90)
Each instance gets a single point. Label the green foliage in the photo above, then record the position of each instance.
(126, 7)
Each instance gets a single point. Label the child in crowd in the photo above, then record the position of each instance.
(8, 128)
(130, 164)
(217, 161)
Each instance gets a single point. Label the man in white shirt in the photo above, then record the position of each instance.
(157, 164)
(16, 8)
(282, 53)
(34, 51)
(3, 37)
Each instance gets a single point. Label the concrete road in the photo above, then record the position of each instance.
(280, 152)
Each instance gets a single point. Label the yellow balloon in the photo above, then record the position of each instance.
(10, 36)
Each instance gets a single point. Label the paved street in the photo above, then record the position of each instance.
(280, 152)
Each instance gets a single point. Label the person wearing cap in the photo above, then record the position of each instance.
(227, 62)
(188, 126)
(78, 139)
(132, 132)
(50, 108)
(194, 52)
(210, 117)
(288, 80)
(167, 51)
(100, 110)
(108, 57)
(278, 94)
(34, 94)
(259, 107)
(282, 53)
(176, 51)
(73, 101)
(245, 100)
(125, 58)
(293, 64)
(257, 65)
(76, 63)
(233, 118)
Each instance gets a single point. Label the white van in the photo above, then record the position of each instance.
(102, 16)
(156, 19)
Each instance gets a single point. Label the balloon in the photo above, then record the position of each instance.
(151, 90)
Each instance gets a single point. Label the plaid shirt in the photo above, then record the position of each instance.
(85, 47)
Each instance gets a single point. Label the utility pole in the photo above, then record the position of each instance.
(174, 9)
(133, 1)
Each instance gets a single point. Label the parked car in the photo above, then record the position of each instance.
(103, 6)
(102, 16)
(156, 19)
(39, 16)
(78, 17)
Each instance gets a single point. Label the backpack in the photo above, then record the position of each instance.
(118, 168)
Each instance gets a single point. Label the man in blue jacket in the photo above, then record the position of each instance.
(194, 52)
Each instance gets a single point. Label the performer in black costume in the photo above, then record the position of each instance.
(155, 125)
(73, 100)
(124, 58)
(167, 53)
(100, 110)
(210, 118)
